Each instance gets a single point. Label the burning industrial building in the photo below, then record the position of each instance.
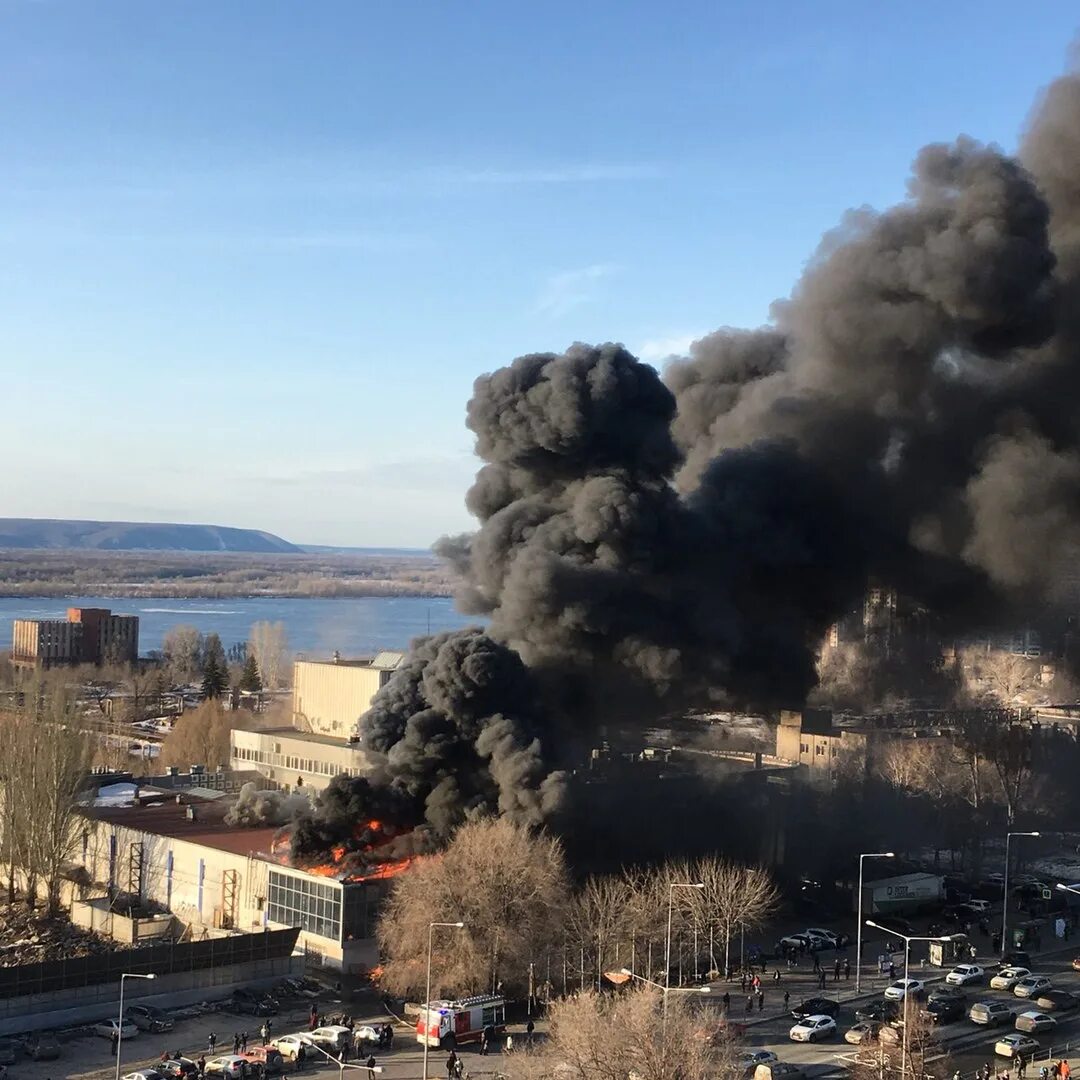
(647, 544)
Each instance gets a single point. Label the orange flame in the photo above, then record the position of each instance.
(337, 864)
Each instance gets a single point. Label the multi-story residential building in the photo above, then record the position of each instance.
(86, 636)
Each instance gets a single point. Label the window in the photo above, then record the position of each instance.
(314, 906)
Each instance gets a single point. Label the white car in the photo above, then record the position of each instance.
(1011, 1045)
(1031, 986)
(332, 1038)
(898, 990)
(1008, 977)
(829, 936)
(289, 1045)
(365, 1033)
(1035, 1021)
(108, 1028)
(144, 1074)
(756, 1058)
(965, 975)
(980, 907)
(812, 1028)
(231, 1065)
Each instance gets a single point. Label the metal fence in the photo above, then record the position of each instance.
(158, 959)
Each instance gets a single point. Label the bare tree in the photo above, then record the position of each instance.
(612, 1036)
(47, 759)
(269, 644)
(507, 884)
(734, 896)
(998, 675)
(182, 650)
(599, 916)
(201, 736)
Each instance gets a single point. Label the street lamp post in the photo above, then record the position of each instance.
(672, 886)
(427, 998)
(907, 992)
(120, 1018)
(1005, 887)
(858, 928)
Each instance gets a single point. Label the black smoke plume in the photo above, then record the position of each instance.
(644, 544)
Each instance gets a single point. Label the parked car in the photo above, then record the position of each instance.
(1011, 1045)
(864, 1031)
(148, 1018)
(813, 1007)
(228, 1065)
(364, 1034)
(1057, 1001)
(795, 941)
(254, 1002)
(1008, 977)
(944, 1010)
(900, 989)
(897, 926)
(965, 975)
(289, 1045)
(269, 1058)
(1031, 986)
(107, 1029)
(143, 1074)
(1035, 1021)
(756, 1058)
(981, 908)
(180, 1068)
(42, 1046)
(813, 1029)
(880, 1012)
(946, 992)
(833, 939)
(891, 1034)
(1016, 958)
(1076, 963)
(332, 1038)
(991, 1013)
(779, 1070)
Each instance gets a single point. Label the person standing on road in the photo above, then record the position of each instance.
(211, 1041)
(836, 970)
(264, 1032)
(847, 968)
(749, 1004)
(787, 1000)
(760, 1000)
(371, 1067)
(451, 1061)
(726, 1001)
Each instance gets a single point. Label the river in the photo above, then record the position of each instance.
(316, 627)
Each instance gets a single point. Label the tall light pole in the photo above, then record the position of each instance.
(907, 989)
(120, 1018)
(427, 998)
(672, 886)
(858, 929)
(1005, 888)
(665, 990)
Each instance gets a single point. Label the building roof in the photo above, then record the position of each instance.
(296, 735)
(167, 818)
(387, 661)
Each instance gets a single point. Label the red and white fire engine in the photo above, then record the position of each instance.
(447, 1023)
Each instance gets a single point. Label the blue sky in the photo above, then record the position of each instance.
(254, 252)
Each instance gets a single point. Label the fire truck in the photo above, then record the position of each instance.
(447, 1023)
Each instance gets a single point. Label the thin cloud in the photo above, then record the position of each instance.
(658, 349)
(570, 289)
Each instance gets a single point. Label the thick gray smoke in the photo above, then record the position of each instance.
(255, 808)
(645, 544)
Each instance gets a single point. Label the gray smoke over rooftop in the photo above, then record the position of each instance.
(646, 543)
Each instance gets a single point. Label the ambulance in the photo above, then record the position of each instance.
(445, 1024)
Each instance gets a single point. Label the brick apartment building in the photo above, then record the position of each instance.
(86, 636)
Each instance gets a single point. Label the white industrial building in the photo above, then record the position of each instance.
(329, 697)
(176, 849)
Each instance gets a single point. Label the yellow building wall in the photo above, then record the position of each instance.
(330, 698)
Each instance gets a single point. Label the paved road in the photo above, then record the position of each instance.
(89, 1058)
(973, 1045)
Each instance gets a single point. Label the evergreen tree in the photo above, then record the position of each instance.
(249, 677)
(215, 681)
